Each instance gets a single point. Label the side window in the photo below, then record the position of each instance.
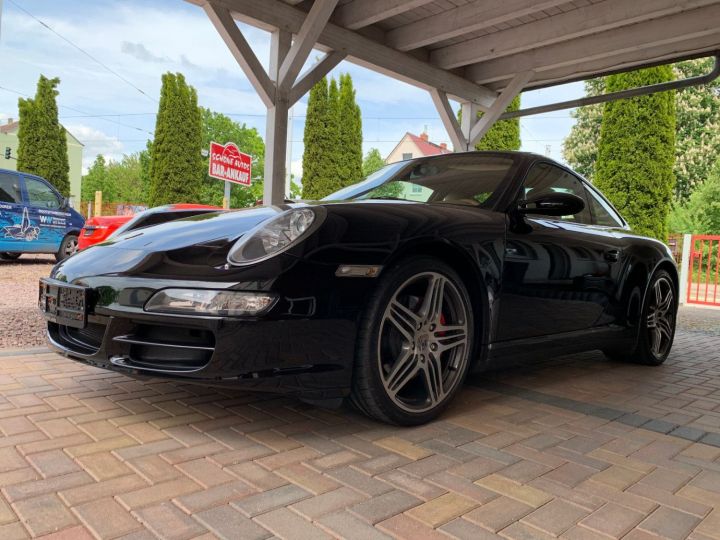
(547, 178)
(603, 214)
(41, 195)
(10, 188)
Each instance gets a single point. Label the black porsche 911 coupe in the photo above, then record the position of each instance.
(385, 293)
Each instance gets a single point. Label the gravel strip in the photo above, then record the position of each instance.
(22, 324)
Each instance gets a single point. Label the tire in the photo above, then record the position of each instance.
(68, 247)
(656, 327)
(413, 352)
(7, 256)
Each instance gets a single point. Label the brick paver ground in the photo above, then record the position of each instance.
(575, 447)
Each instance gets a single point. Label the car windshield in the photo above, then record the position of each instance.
(466, 179)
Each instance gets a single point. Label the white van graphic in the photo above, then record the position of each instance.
(24, 230)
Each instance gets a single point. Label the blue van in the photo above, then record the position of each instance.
(35, 218)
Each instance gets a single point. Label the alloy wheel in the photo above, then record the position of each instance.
(423, 346)
(661, 316)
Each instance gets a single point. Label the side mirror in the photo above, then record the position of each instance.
(552, 204)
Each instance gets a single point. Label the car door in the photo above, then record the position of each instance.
(11, 212)
(48, 221)
(554, 271)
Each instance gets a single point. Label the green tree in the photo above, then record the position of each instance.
(42, 143)
(373, 162)
(697, 129)
(222, 129)
(94, 180)
(636, 152)
(124, 179)
(318, 162)
(701, 213)
(176, 163)
(504, 134)
(580, 146)
(350, 137)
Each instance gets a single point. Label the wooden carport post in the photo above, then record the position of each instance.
(279, 88)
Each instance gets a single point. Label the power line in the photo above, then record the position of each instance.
(83, 113)
(90, 56)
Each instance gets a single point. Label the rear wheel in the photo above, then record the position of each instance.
(7, 256)
(656, 324)
(414, 344)
(68, 247)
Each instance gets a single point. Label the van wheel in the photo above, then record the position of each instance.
(7, 256)
(68, 247)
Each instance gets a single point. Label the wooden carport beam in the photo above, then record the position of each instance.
(579, 22)
(471, 129)
(243, 53)
(447, 115)
(486, 121)
(313, 75)
(305, 40)
(360, 13)
(362, 50)
(462, 20)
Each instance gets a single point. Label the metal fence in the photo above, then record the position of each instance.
(703, 270)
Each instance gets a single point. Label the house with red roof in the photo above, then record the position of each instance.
(415, 146)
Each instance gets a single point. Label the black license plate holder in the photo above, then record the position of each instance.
(63, 303)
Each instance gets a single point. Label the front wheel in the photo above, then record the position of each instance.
(415, 343)
(68, 247)
(656, 324)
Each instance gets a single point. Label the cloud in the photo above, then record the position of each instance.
(139, 51)
(96, 142)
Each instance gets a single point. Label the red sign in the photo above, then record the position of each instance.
(227, 162)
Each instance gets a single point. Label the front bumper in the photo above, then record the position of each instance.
(304, 356)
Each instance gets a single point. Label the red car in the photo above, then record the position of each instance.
(100, 228)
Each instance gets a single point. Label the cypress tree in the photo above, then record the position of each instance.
(318, 145)
(42, 143)
(636, 151)
(176, 163)
(350, 134)
(504, 134)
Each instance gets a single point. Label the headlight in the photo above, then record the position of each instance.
(209, 302)
(272, 237)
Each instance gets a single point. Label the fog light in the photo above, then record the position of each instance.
(209, 302)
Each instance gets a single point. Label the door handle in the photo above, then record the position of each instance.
(612, 255)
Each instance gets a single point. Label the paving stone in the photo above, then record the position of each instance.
(385, 506)
(405, 527)
(359, 481)
(214, 496)
(523, 493)
(44, 515)
(613, 520)
(555, 517)
(163, 491)
(499, 513)
(670, 523)
(269, 500)
(286, 524)
(169, 523)
(462, 529)
(106, 518)
(227, 523)
(53, 463)
(314, 507)
(442, 509)
(349, 527)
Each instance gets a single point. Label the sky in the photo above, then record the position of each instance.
(111, 107)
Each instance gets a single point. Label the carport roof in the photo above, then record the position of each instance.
(471, 49)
